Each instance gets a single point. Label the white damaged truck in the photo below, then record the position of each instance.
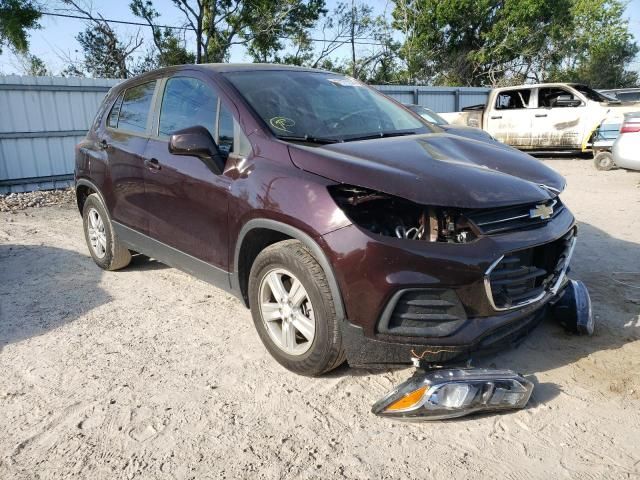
(548, 116)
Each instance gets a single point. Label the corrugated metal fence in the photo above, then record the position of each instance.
(42, 118)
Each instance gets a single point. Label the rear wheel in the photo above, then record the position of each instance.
(105, 248)
(603, 161)
(293, 310)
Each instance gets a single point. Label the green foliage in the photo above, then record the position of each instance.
(16, 17)
(169, 49)
(36, 67)
(598, 49)
(501, 42)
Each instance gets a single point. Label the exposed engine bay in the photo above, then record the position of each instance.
(392, 216)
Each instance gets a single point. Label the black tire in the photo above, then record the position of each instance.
(325, 352)
(116, 255)
(604, 161)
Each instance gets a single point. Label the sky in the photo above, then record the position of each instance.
(55, 42)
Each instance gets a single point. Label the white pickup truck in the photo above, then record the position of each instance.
(548, 116)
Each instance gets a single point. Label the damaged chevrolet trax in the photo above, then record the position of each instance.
(351, 229)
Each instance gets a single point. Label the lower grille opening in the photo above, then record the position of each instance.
(432, 312)
(523, 276)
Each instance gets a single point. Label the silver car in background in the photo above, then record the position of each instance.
(626, 148)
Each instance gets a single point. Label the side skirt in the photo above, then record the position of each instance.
(173, 257)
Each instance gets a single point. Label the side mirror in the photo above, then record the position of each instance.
(197, 142)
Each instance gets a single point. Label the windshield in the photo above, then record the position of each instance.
(428, 115)
(322, 106)
(591, 94)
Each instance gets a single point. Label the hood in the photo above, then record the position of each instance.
(467, 132)
(434, 169)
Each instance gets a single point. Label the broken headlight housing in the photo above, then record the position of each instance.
(397, 217)
(450, 393)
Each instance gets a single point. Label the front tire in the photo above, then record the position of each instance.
(105, 248)
(293, 309)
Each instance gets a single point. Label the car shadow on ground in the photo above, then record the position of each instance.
(43, 288)
(142, 263)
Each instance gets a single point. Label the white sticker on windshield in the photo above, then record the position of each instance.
(345, 82)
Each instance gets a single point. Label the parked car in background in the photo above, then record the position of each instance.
(623, 94)
(551, 116)
(435, 119)
(348, 226)
(626, 149)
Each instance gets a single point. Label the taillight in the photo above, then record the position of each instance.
(631, 127)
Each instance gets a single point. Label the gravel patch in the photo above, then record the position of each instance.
(14, 202)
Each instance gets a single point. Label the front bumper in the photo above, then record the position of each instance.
(371, 271)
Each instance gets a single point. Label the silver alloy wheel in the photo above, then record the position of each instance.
(286, 312)
(97, 234)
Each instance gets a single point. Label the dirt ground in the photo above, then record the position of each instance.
(149, 373)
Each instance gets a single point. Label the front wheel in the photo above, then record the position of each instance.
(293, 309)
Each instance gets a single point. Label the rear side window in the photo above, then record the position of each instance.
(187, 102)
(134, 109)
(112, 121)
(513, 99)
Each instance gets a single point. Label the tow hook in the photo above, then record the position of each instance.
(438, 393)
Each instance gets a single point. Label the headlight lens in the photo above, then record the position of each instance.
(396, 217)
(450, 393)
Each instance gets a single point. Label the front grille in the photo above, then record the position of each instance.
(518, 217)
(525, 276)
(432, 312)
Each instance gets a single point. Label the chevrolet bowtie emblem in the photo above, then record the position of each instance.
(541, 211)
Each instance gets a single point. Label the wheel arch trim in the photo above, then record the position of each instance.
(306, 240)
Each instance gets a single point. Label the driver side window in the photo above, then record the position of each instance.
(187, 102)
(556, 97)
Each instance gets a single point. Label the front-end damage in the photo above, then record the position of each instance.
(443, 324)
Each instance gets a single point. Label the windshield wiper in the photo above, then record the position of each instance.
(308, 138)
(378, 135)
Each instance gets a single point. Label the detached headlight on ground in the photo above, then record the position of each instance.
(450, 393)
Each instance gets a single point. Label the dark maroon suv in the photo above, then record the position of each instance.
(351, 228)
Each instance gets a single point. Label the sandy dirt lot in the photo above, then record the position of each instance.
(149, 373)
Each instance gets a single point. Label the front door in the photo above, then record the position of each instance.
(124, 140)
(187, 202)
(558, 121)
(510, 118)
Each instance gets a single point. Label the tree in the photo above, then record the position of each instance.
(599, 48)
(258, 24)
(170, 50)
(37, 67)
(478, 42)
(105, 53)
(16, 18)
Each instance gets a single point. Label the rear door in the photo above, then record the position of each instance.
(187, 202)
(510, 117)
(124, 140)
(556, 124)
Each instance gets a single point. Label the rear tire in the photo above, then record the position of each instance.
(105, 248)
(604, 161)
(304, 301)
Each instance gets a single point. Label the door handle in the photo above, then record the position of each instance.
(541, 115)
(496, 117)
(152, 164)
